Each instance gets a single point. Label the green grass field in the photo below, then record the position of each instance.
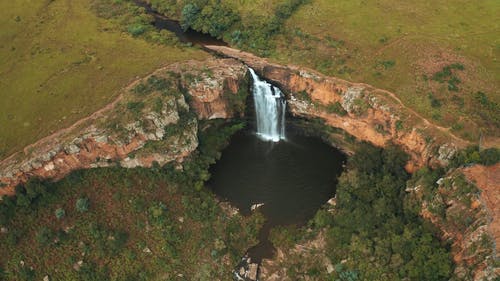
(59, 62)
(399, 46)
(404, 47)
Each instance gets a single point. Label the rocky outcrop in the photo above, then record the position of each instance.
(467, 220)
(464, 206)
(367, 113)
(298, 259)
(149, 122)
(487, 179)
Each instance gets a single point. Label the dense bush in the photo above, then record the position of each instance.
(446, 75)
(373, 230)
(486, 108)
(208, 16)
(336, 108)
(44, 236)
(82, 205)
(60, 213)
(472, 155)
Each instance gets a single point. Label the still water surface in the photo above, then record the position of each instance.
(293, 178)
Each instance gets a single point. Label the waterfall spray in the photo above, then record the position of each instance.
(270, 109)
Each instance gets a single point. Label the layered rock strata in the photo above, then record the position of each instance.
(367, 113)
(149, 122)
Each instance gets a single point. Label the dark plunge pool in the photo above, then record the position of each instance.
(293, 178)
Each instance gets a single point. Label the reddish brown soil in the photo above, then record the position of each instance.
(488, 180)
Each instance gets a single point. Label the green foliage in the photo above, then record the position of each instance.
(135, 107)
(373, 230)
(472, 155)
(386, 64)
(399, 125)
(303, 95)
(457, 126)
(138, 235)
(486, 108)
(436, 103)
(157, 212)
(238, 101)
(136, 29)
(60, 213)
(360, 106)
(93, 272)
(208, 16)
(336, 108)
(82, 205)
(334, 43)
(257, 34)
(285, 237)
(446, 75)
(44, 236)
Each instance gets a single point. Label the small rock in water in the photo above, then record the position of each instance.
(332, 201)
(256, 206)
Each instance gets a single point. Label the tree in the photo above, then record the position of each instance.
(82, 205)
(60, 213)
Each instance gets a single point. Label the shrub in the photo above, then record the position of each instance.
(457, 126)
(303, 95)
(387, 64)
(135, 107)
(336, 108)
(490, 156)
(82, 205)
(60, 213)
(157, 212)
(446, 75)
(136, 29)
(472, 155)
(399, 125)
(213, 18)
(434, 101)
(44, 236)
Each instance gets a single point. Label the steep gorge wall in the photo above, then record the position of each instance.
(367, 113)
(149, 122)
(469, 220)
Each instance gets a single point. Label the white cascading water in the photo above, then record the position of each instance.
(270, 108)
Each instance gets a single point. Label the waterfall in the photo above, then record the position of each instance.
(270, 108)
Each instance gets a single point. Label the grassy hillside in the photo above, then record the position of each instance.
(441, 58)
(59, 62)
(406, 48)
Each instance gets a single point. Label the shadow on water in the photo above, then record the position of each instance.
(189, 36)
(293, 178)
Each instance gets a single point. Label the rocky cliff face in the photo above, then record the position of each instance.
(367, 113)
(464, 205)
(468, 219)
(153, 120)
